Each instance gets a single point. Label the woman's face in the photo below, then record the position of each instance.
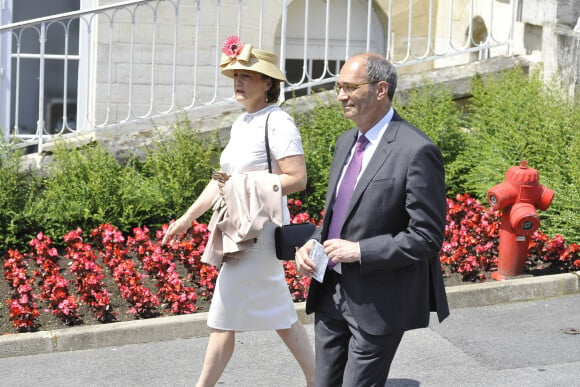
(250, 88)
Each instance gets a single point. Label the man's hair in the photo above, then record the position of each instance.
(379, 69)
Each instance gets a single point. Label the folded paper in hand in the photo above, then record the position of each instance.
(320, 259)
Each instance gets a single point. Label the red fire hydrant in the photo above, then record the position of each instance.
(518, 197)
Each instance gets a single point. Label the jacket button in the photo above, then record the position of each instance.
(275, 188)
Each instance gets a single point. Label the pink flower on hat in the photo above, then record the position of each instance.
(232, 46)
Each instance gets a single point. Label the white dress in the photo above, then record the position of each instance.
(251, 293)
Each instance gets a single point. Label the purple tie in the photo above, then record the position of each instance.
(346, 188)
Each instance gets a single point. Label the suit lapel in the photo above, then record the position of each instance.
(380, 157)
(382, 153)
(341, 158)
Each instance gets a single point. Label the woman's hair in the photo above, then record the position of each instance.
(273, 92)
(379, 69)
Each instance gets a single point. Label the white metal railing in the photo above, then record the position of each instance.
(136, 60)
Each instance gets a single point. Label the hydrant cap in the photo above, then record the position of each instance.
(522, 174)
(545, 199)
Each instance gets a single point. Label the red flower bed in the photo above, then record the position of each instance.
(55, 288)
(472, 239)
(110, 243)
(89, 276)
(138, 264)
(23, 310)
(160, 263)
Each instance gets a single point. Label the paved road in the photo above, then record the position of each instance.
(516, 344)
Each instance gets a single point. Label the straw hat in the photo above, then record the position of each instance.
(237, 55)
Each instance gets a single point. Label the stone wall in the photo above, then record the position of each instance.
(552, 36)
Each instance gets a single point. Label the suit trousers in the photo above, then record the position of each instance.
(346, 355)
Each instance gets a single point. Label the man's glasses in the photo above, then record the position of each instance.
(350, 88)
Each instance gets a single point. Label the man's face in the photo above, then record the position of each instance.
(355, 93)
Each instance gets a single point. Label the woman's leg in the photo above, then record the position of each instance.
(297, 341)
(219, 351)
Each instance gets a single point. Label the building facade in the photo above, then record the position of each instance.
(79, 66)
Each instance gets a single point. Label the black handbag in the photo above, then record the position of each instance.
(288, 237)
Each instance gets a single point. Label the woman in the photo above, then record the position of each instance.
(251, 291)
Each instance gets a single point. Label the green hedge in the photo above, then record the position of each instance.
(319, 129)
(432, 109)
(86, 187)
(511, 117)
(515, 117)
(18, 191)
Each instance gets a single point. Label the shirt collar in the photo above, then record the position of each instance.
(377, 131)
(248, 117)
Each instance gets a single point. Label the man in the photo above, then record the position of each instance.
(384, 275)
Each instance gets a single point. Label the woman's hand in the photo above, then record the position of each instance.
(177, 229)
(201, 205)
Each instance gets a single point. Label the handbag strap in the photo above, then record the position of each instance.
(267, 144)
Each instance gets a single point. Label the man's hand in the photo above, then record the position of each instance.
(340, 250)
(303, 262)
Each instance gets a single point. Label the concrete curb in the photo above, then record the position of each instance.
(513, 290)
(194, 325)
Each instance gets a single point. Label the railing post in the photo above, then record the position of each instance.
(283, 43)
(510, 43)
(41, 74)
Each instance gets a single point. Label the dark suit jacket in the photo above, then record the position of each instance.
(397, 214)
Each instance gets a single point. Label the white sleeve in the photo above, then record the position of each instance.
(284, 137)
